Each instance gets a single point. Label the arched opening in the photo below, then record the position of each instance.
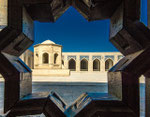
(96, 65)
(55, 58)
(24, 58)
(72, 65)
(62, 62)
(36, 59)
(45, 58)
(84, 65)
(108, 64)
(29, 62)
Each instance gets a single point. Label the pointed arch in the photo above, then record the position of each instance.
(84, 65)
(108, 64)
(72, 65)
(96, 65)
(45, 58)
(29, 62)
(62, 62)
(55, 58)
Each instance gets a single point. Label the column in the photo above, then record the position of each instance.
(103, 63)
(51, 59)
(27, 58)
(32, 61)
(66, 61)
(90, 64)
(115, 59)
(40, 59)
(78, 63)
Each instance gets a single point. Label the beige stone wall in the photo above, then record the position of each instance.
(50, 72)
(73, 61)
(51, 50)
(3, 14)
(27, 57)
(90, 57)
(31, 61)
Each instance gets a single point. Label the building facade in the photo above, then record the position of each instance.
(27, 57)
(90, 61)
(49, 58)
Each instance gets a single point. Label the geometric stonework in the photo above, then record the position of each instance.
(71, 57)
(84, 57)
(50, 104)
(124, 78)
(109, 57)
(17, 77)
(13, 42)
(96, 57)
(98, 104)
(120, 57)
(96, 10)
(127, 33)
(46, 10)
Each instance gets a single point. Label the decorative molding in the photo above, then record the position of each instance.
(96, 57)
(84, 57)
(109, 57)
(71, 57)
(120, 57)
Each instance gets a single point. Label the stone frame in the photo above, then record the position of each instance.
(126, 33)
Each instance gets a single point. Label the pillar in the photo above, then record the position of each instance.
(27, 56)
(78, 63)
(115, 59)
(65, 61)
(40, 59)
(90, 64)
(51, 59)
(103, 63)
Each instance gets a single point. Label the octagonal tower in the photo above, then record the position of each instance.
(48, 58)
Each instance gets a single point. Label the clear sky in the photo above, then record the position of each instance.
(76, 34)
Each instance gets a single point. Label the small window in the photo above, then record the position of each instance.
(55, 58)
(45, 58)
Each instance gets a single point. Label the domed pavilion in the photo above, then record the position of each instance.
(48, 59)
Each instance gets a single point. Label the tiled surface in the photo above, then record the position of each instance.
(70, 92)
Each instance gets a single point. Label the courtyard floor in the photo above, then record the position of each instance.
(82, 77)
(74, 77)
(70, 88)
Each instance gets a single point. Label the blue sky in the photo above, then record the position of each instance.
(76, 34)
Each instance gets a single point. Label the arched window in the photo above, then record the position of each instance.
(96, 65)
(84, 65)
(45, 58)
(29, 62)
(63, 62)
(55, 58)
(72, 65)
(108, 64)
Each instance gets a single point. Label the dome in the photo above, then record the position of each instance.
(48, 42)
